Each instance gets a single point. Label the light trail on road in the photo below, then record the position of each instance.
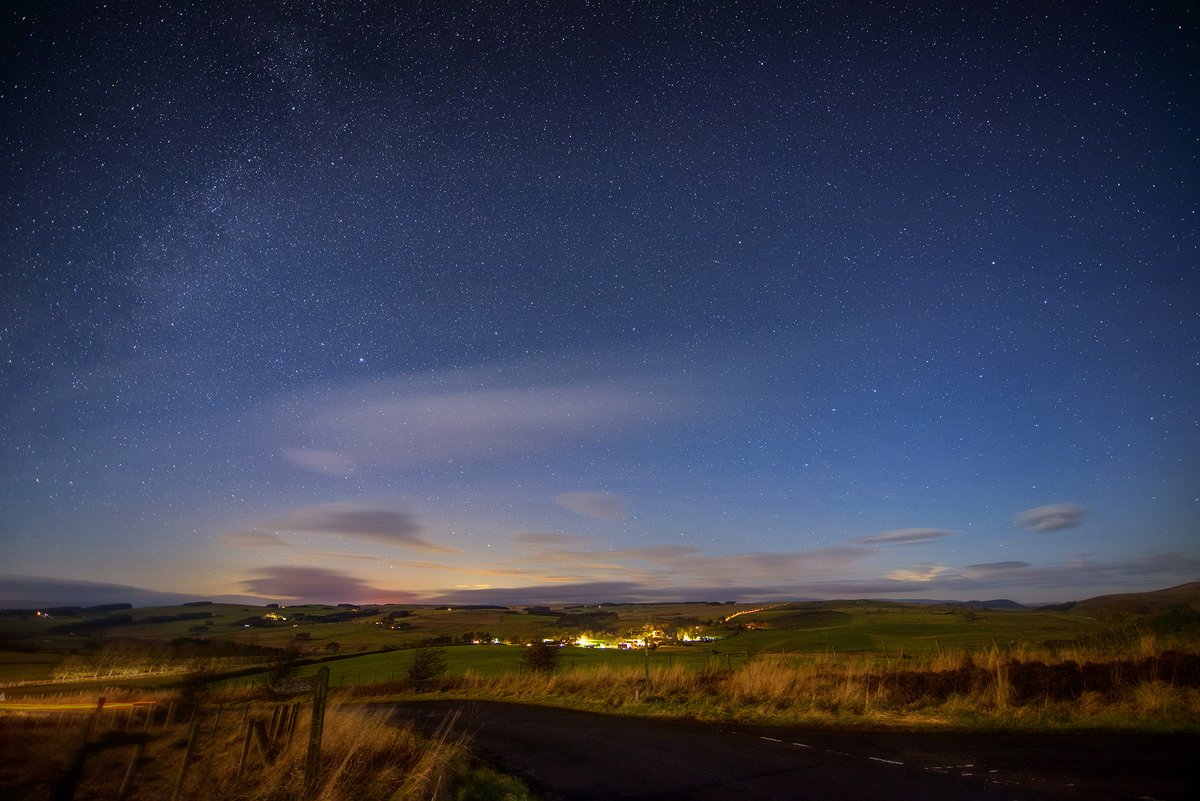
(6, 706)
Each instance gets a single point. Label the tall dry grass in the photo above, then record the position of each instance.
(1151, 683)
(365, 757)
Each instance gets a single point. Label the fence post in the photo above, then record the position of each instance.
(246, 745)
(320, 694)
(135, 764)
(188, 753)
(264, 742)
(65, 789)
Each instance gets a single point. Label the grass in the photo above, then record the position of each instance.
(1026, 688)
(364, 757)
(24, 666)
(1144, 683)
(844, 661)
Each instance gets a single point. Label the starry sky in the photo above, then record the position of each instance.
(537, 302)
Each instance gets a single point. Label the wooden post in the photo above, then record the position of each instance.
(264, 743)
(188, 753)
(246, 745)
(135, 764)
(65, 789)
(291, 727)
(646, 659)
(312, 767)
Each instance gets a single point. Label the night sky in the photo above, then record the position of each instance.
(599, 301)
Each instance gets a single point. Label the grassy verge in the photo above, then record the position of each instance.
(364, 757)
(1155, 688)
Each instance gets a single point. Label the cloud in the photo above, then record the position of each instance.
(547, 538)
(596, 505)
(755, 577)
(370, 524)
(669, 554)
(252, 538)
(906, 536)
(318, 585)
(319, 461)
(989, 569)
(468, 415)
(920, 573)
(688, 566)
(1069, 580)
(1054, 517)
(34, 591)
(583, 592)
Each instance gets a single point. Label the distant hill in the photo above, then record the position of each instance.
(1142, 602)
(996, 604)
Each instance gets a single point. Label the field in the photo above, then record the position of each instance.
(831, 662)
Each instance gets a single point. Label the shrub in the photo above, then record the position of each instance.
(542, 657)
(428, 665)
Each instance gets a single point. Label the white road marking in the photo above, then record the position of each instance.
(772, 739)
(801, 745)
(881, 759)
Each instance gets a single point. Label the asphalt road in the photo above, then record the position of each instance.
(578, 756)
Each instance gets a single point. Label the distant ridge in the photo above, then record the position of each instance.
(996, 604)
(1143, 602)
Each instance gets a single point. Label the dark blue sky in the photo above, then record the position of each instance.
(600, 301)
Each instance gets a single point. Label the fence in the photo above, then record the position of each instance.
(135, 725)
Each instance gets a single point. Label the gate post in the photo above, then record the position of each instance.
(320, 694)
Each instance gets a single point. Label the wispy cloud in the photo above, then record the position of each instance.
(596, 505)
(540, 539)
(687, 565)
(756, 581)
(1058, 581)
(923, 574)
(366, 523)
(906, 536)
(468, 415)
(1053, 517)
(318, 584)
(31, 591)
(252, 538)
(320, 461)
(990, 569)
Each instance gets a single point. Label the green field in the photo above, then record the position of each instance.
(374, 644)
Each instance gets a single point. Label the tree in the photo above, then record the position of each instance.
(542, 657)
(427, 666)
(283, 669)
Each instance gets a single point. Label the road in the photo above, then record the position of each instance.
(577, 756)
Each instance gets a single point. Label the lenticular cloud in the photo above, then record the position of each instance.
(1054, 517)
